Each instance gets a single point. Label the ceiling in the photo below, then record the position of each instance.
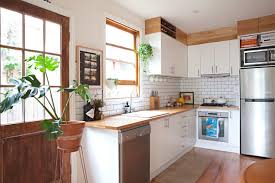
(200, 15)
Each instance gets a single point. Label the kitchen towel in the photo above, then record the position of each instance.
(212, 128)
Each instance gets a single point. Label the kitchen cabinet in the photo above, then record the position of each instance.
(170, 56)
(214, 58)
(170, 138)
(207, 58)
(221, 57)
(194, 61)
(234, 129)
(234, 57)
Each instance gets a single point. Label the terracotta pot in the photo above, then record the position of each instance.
(72, 133)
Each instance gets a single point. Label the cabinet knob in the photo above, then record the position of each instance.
(216, 69)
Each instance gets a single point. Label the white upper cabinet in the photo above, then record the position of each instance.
(194, 61)
(214, 58)
(222, 57)
(207, 58)
(170, 56)
(234, 57)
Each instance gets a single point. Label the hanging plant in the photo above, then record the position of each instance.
(145, 53)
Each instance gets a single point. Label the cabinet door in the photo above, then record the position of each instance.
(168, 55)
(156, 144)
(154, 64)
(222, 57)
(234, 57)
(234, 128)
(181, 62)
(207, 58)
(194, 61)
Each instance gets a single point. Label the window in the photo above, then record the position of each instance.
(122, 57)
(23, 35)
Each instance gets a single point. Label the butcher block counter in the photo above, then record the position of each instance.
(125, 121)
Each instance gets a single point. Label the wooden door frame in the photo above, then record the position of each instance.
(34, 128)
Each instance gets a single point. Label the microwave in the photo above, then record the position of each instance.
(258, 57)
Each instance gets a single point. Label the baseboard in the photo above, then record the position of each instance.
(219, 146)
(169, 163)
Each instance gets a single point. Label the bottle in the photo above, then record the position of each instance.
(127, 108)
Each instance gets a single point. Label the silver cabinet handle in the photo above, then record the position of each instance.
(231, 70)
(198, 72)
(212, 69)
(216, 69)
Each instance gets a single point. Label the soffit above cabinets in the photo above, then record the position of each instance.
(196, 16)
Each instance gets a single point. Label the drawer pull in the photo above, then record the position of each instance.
(184, 126)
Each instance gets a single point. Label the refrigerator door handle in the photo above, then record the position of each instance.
(260, 100)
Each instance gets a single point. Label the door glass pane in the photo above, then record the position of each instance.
(57, 102)
(11, 116)
(11, 28)
(55, 76)
(30, 68)
(53, 37)
(11, 65)
(33, 110)
(33, 33)
(120, 71)
(119, 37)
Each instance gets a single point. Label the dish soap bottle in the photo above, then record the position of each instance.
(127, 108)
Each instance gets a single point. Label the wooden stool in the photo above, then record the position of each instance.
(260, 172)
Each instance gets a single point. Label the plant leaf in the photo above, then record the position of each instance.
(52, 128)
(43, 63)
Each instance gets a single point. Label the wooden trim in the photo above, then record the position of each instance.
(126, 82)
(121, 47)
(30, 9)
(120, 26)
(65, 64)
(181, 36)
(267, 23)
(250, 26)
(136, 40)
(153, 25)
(221, 34)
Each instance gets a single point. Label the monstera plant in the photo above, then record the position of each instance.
(67, 133)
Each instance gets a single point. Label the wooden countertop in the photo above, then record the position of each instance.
(121, 122)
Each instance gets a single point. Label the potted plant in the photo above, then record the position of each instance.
(96, 104)
(111, 83)
(67, 133)
(145, 53)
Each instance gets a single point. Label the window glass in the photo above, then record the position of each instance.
(120, 70)
(30, 68)
(120, 54)
(33, 110)
(33, 33)
(11, 65)
(14, 115)
(11, 28)
(55, 76)
(119, 37)
(53, 37)
(57, 101)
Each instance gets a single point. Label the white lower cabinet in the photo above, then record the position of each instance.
(171, 137)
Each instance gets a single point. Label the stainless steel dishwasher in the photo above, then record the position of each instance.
(135, 155)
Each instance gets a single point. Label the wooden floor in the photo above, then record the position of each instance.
(224, 167)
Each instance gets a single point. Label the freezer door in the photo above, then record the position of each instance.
(258, 83)
(258, 128)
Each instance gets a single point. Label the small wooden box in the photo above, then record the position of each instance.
(154, 103)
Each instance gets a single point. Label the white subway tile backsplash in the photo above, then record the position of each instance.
(169, 88)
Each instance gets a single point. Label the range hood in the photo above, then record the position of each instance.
(215, 75)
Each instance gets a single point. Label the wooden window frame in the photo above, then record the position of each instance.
(136, 38)
(25, 8)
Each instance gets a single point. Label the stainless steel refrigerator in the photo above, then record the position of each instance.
(258, 111)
